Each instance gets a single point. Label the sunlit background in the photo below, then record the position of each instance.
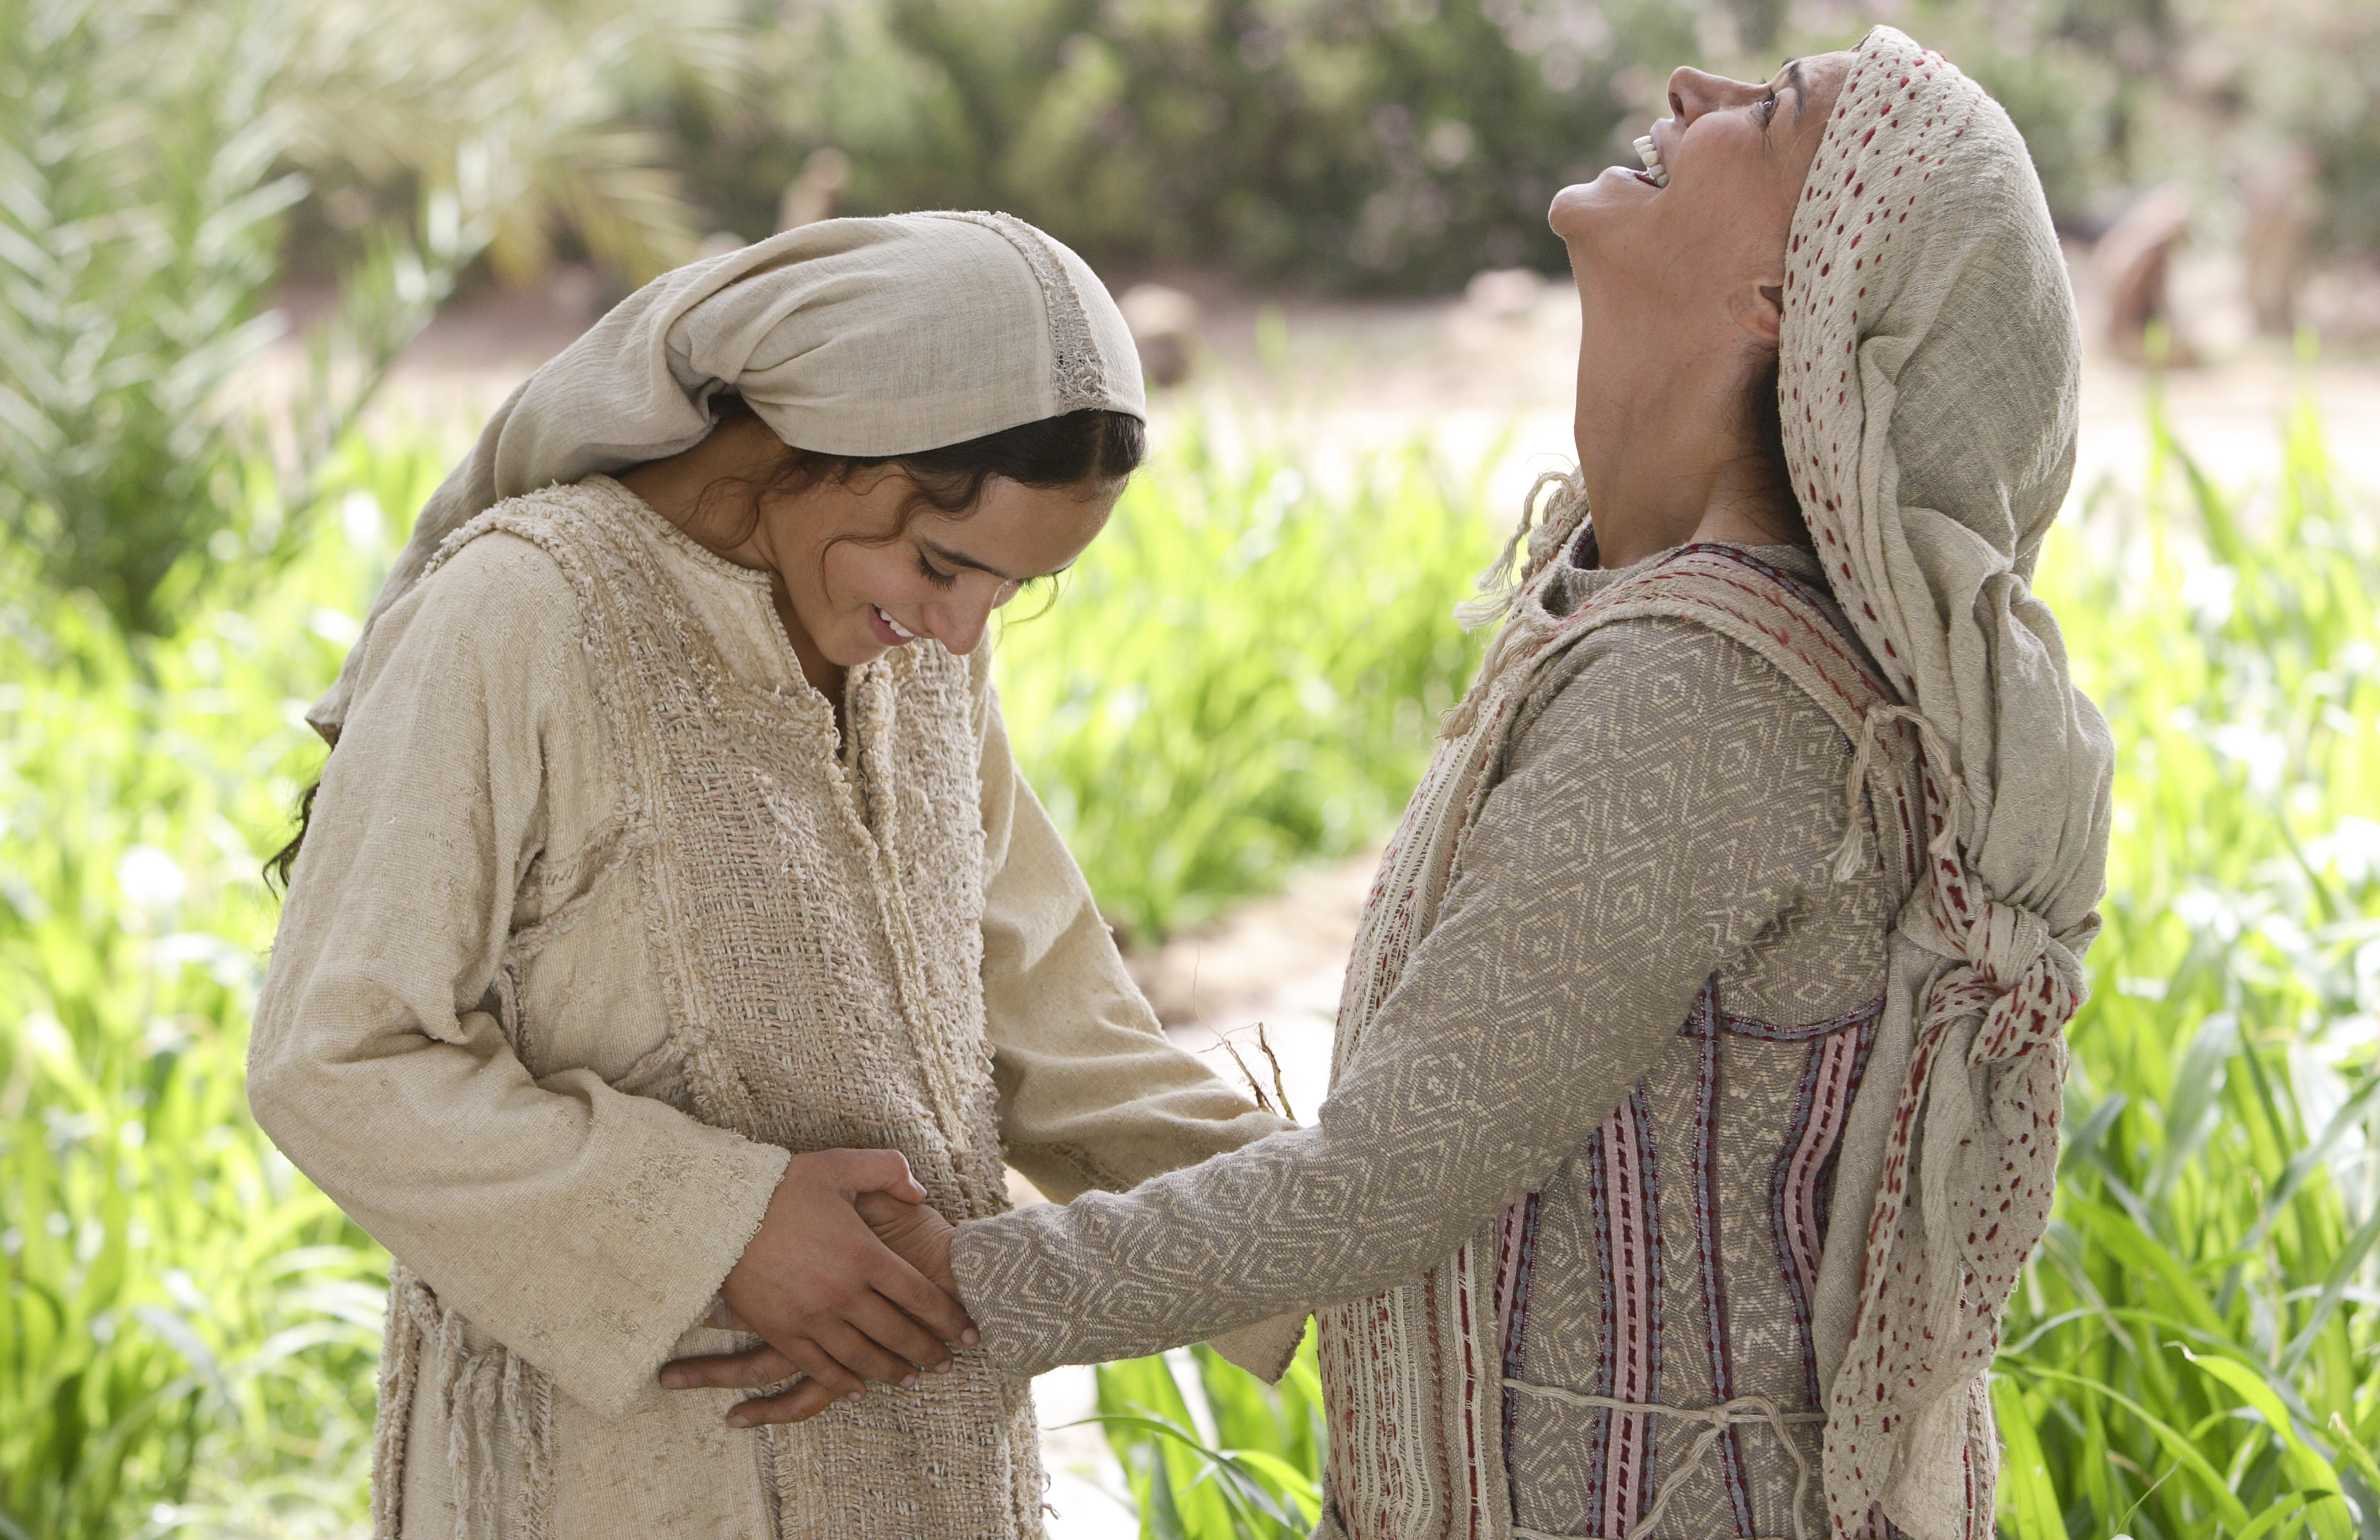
(264, 265)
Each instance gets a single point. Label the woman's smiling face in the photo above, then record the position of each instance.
(866, 569)
(1736, 153)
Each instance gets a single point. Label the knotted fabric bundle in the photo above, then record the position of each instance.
(850, 337)
(1928, 380)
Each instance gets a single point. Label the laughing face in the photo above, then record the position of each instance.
(1714, 205)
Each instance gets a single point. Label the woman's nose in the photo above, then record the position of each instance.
(958, 622)
(1692, 93)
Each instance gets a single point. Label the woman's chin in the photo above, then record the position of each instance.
(1578, 208)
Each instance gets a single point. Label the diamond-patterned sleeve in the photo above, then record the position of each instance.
(1636, 843)
(1091, 1094)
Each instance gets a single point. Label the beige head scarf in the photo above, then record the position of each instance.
(1929, 383)
(850, 337)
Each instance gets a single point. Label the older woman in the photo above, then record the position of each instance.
(1697, 1078)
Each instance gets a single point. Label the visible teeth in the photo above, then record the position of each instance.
(1651, 155)
(898, 629)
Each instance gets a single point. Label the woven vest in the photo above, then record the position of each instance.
(1414, 1378)
(814, 919)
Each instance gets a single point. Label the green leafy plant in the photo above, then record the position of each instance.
(188, 1329)
(1241, 1461)
(149, 160)
(1245, 671)
(2196, 1350)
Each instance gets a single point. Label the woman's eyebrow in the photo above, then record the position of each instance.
(1801, 91)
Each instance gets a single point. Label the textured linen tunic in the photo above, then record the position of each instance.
(1641, 1015)
(470, 1038)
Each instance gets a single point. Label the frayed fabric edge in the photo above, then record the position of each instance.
(479, 1392)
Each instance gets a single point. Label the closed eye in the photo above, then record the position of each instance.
(936, 576)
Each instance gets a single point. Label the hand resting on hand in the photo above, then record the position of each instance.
(829, 1301)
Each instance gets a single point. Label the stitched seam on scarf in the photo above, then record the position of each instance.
(1770, 1032)
(1079, 375)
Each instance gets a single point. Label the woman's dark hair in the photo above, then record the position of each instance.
(1763, 418)
(1088, 449)
(277, 865)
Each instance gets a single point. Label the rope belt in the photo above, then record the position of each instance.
(1715, 1420)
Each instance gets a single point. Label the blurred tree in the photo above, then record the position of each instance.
(2310, 80)
(382, 100)
(138, 232)
(1403, 144)
(148, 157)
(1341, 143)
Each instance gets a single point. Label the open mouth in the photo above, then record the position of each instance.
(1654, 174)
(888, 630)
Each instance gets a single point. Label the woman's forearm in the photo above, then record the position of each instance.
(1607, 875)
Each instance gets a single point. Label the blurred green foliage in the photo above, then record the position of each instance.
(1333, 143)
(1406, 144)
(149, 159)
(1201, 709)
(188, 1328)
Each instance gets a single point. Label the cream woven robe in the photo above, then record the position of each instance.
(559, 1215)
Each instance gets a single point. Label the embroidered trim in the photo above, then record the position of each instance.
(1080, 373)
(1705, 1022)
(1803, 1179)
(1516, 1265)
(476, 1391)
(1628, 1240)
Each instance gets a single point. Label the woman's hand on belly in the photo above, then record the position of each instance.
(920, 1234)
(831, 1302)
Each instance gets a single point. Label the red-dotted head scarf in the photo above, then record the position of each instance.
(1928, 387)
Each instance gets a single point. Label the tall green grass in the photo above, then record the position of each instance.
(1246, 671)
(1242, 674)
(188, 1327)
(2197, 1348)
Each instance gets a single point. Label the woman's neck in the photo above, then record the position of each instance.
(1666, 454)
(744, 454)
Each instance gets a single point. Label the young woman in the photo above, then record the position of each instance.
(671, 842)
(1698, 1072)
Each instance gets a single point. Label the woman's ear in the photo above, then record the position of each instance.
(1759, 308)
